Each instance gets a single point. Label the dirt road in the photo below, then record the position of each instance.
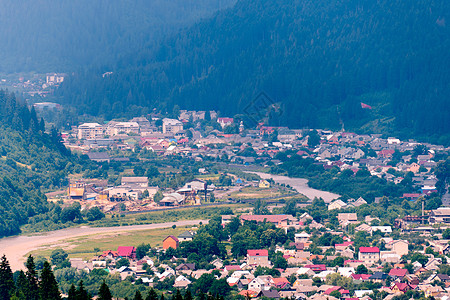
(300, 185)
(16, 248)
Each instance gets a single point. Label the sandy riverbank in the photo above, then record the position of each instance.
(300, 185)
(16, 248)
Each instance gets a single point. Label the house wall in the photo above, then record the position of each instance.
(400, 248)
(262, 261)
(167, 243)
(369, 258)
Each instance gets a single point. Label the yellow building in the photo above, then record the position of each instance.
(264, 184)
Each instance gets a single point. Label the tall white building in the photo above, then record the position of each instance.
(172, 126)
(90, 131)
(115, 128)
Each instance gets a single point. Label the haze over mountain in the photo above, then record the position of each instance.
(317, 59)
(48, 36)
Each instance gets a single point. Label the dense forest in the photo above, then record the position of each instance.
(31, 161)
(317, 61)
(49, 36)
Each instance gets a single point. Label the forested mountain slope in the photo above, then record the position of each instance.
(318, 59)
(48, 36)
(30, 161)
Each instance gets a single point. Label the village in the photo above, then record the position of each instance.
(338, 249)
(193, 138)
(314, 262)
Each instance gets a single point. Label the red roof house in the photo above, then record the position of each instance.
(316, 268)
(398, 273)
(369, 250)
(126, 251)
(262, 252)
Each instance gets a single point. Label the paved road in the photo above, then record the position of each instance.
(300, 185)
(16, 248)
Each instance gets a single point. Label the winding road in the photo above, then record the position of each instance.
(16, 248)
(300, 185)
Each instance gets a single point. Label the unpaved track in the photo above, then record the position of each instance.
(15, 248)
(300, 185)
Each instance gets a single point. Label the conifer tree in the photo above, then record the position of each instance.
(6, 279)
(178, 296)
(32, 288)
(82, 294)
(138, 296)
(48, 287)
(152, 295)
(104, 292)
(21, 285)
(188, 295)
(201, 296)
(72, 294)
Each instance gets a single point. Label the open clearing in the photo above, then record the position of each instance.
(83, 247)
(16, 248)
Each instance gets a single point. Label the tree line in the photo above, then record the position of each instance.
(32, 161)
(34, 285)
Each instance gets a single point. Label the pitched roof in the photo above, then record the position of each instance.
(398, 272)
(316, 267)
(280, 282)
(332, 289)
(402, 286)
(125, 250)
(378, 276)
(232, 268)
(186, 235)
(369, 250)
(344, 244)
(270, 294)
(261, 252)
(173, 237)
(360, 276)
(268, 218)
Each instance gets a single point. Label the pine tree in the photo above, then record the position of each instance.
(138, 296)
(32, 289)
(72, 294)
(104, 293)
(21, 285)
(82, 294)
(48, 286)
(6, 279)
(188, 295)
(178, 296)
(201, 296)
(152, 295)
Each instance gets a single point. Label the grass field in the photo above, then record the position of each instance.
(256, 192)
(188, 213)
(83, 247)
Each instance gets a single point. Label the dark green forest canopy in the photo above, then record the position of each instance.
(30, 162)
(49, 36)
(317, 59)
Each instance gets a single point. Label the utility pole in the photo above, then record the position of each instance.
(423, 212)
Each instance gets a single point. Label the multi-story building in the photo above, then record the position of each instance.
(115, 128)
(258, 258)
(369, 255)
(440, 215)
(90, 131)
(172, 126)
